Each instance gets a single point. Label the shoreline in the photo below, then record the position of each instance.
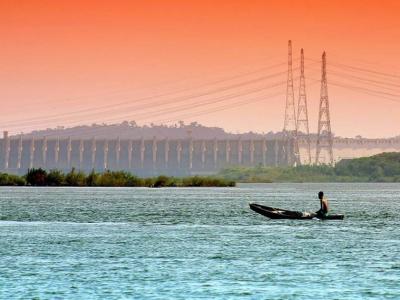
(56, 178)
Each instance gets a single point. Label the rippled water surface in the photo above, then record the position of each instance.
(191, 243)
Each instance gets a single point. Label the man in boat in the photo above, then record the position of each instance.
(324, 206)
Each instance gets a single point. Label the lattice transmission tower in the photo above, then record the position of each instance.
(324, 138)
(303, 131)
(291, 146)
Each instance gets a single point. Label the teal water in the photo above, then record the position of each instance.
(198, 243)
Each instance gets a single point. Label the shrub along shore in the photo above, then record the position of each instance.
(40, 177)
(384, 167)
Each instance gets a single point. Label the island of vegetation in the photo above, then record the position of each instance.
(40, 177)
(384, 167)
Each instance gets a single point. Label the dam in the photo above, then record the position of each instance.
(175, 156)
(144, 157)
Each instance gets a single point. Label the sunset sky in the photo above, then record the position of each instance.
(80, 62)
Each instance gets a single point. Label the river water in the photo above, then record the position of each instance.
(198, 243)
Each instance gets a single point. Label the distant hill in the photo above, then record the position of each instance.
(132, 130)
(378, 167)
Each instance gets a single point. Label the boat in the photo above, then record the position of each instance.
(278, 213)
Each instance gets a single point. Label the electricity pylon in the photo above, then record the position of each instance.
(303, 131)
(290, 126)
(324, 138)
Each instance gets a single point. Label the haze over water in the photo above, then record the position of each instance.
(191, 243)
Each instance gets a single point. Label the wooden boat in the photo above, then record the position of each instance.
(277, 213)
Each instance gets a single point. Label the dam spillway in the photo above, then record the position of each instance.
(144, 157)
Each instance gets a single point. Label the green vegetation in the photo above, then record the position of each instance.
(384, 167)
(11, 180)
(40, 177)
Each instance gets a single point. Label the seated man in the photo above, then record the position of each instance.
(324, 207)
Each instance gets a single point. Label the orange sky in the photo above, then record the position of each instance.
(59, 57)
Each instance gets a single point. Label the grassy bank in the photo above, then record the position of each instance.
(40, 177)
(384, 167)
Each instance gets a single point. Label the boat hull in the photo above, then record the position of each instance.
(277, 213)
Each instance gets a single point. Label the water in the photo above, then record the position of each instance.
(198, 243)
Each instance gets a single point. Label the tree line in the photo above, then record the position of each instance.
(41, 177)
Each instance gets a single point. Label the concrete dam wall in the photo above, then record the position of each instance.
(144, 157)
(178, 157)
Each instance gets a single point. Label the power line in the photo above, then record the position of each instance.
(366, 70)
(209, 101)
(190, 106)
(129, 102)
(198, 103)
(360, 69)
(376, 83)
(228, 106)
(365, 90)
(382, 83)
(163, 102)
